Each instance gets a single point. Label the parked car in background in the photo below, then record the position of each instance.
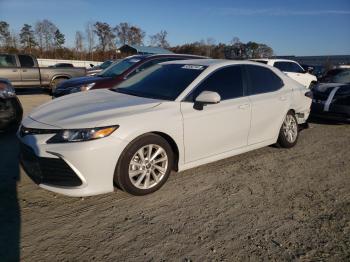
(97, 69)
(62, 65)
(116, 73)
(171, 116)
(292, 69)
(11, 111)
(23, 71)
(331, 98)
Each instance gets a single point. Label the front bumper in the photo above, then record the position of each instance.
(73, 169)
(335, 112)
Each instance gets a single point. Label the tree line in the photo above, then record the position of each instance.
(99, 41)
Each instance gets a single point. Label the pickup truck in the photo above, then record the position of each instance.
(23, 71)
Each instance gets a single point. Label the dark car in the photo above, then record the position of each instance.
(331, 98)
(116, 73)
(11, 111)
(97, 69)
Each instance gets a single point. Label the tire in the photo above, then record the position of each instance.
(289, 132)
(55, 82)
(139, 177)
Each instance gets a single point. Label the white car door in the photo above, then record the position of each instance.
(269, 103)
(216, 128)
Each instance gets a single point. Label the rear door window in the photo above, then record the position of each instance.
(26, 61)
(262, 80)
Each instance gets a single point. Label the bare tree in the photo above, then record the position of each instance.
(45, 33)
(129, 34)
(90, 39)
(136, 36)
(79, 45)
(105, 35)
(122, 31)
(160, 39)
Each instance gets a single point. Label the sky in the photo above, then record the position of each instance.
(290, 27)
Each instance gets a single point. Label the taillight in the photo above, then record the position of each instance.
(309, 94)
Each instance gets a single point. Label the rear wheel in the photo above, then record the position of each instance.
(289, 131)
(145, 165)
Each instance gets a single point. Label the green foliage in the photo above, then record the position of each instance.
(27, 38)
(59, 39)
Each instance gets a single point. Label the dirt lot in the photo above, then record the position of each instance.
(269, 204)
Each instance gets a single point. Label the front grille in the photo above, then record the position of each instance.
(320, 96)
(45, 170)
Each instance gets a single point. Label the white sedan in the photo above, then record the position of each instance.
(172, 116)
(292, 69)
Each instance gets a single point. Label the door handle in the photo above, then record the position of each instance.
(244, 106)
(24, 70)
(14, 70)
(283, 98)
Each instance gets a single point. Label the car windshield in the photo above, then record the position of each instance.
(119, 68)
(343, 77)
(337, 76)
(165, 82)
(105, 64)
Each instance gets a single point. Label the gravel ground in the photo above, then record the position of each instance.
(269, 205)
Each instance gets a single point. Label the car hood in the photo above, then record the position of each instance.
(90, 109)
(79, 81)
(326, 88)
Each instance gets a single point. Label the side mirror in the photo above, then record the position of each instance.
(208, 97)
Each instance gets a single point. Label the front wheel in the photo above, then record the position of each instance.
(145, 165)
(55, 83)
(289, 131)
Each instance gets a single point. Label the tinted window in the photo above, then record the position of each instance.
(7, 61)
(343, 77)
(295, 68)
(288, 67)
(165, 82)
(119, 68)
(283, 66)
(151, 63)
(262, 80)
(26, 61)
(227, 82)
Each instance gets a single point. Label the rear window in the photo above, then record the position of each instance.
(7, 61)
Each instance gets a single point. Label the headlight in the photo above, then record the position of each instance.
(87, 87)
(6, 90)
(80, 135)
(81, 88)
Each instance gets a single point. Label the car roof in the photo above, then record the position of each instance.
(273, 60)
(164, 55)
(212, 62)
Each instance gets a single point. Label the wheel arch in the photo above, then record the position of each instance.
(60, 76)
(173, 146)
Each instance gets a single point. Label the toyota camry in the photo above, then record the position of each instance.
(170, 117)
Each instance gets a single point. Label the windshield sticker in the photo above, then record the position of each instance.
(194, 67)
